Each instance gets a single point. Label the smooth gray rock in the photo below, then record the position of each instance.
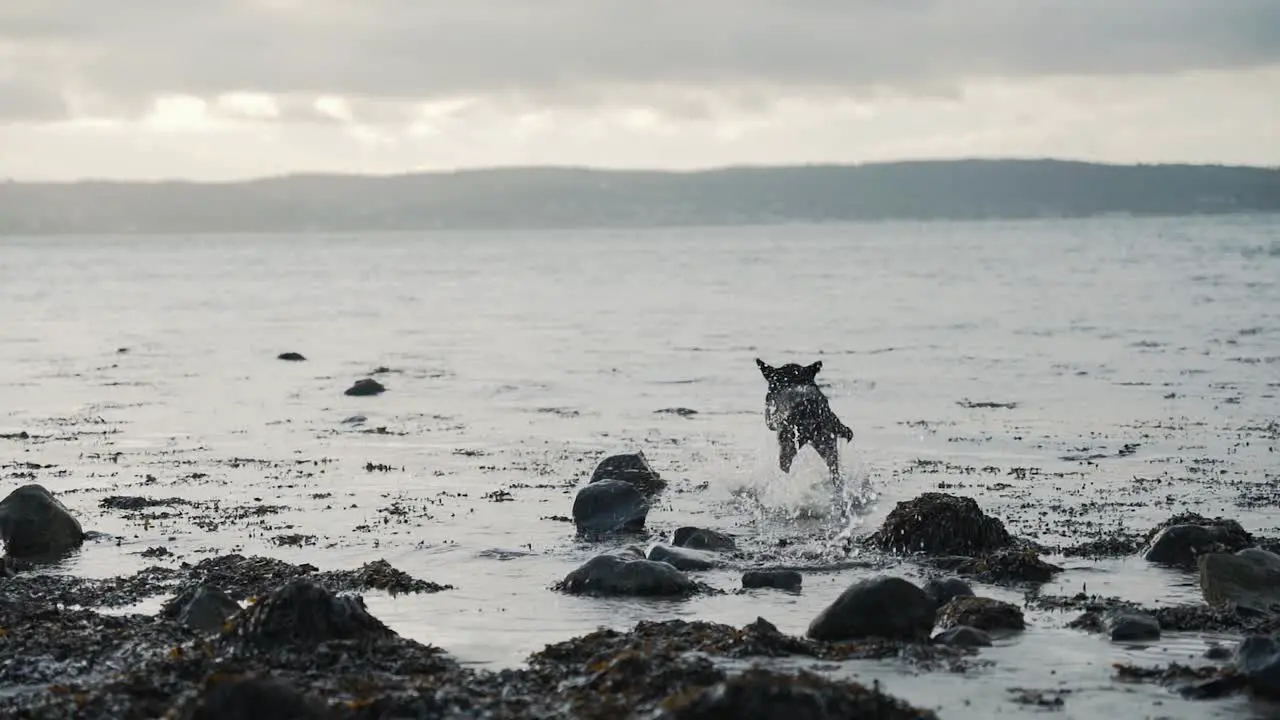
(1248, 579)
(1180, 545)
(34, 524)
(703, 539)
(944, 590)
(1258, 659)
(612, 575)
(1131, 626)
(963, 636)
(609, 506)
(209, 610)
(883, 606)
(684, 558)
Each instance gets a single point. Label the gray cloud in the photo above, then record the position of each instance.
(582, 51)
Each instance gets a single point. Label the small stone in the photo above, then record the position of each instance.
(630, 468)
(364, 388)
(609, 506)
(703, 539)
(209, 610)
(291, 357)
(789, 580)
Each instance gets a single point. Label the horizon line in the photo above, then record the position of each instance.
(605, 169)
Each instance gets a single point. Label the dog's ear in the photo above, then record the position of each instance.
(812, 371)
(765, 370)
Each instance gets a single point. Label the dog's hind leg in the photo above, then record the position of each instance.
(825, 444)
(787, 449)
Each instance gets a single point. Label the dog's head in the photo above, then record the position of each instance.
(789, 375)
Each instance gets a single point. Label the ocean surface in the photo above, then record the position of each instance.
(515, 361)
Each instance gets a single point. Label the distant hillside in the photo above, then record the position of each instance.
(569, 197)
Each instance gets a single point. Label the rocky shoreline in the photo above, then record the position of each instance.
(259, 637)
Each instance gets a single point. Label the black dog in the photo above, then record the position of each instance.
(796, 409)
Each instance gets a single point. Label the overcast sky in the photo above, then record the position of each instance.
(216, 89)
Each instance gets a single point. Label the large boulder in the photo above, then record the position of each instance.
(1257, 658)
(1248, 579)
(630, 468)
(773, 695)
(881, 607)
(941, 524)
(610, 506)
(33, 523)
(1183, 538)
(612, 574)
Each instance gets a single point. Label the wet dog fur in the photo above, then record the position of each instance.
(796, 409)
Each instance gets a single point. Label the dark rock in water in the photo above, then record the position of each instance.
(780, 579)
(613, 575)
(763, 694)
(944, 590)
(355, 420)
(963, 636)
(684, 558)
(1248, 580)
(247, 698)
(941, 524)
(1258, 659)
(365, 387)
(291, 357)
(1131, 626)
(34, 524)
(610, 506)
(703, 539)
(208, 609)
(1181, 539)
(1007, 566)
(884, 607)
(304, 613)
(630, 468)
(982, 613)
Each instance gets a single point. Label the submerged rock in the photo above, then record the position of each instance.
(632, 468)
(766, 578)
(1248, 579)
(291, 357)
(963, 636)
(982, 613)
(703, 539)
(364, 388)
(684, 558)
(34, 524)
(610, 506)
(613, 575)
(1183, 538)
(941, 524)
(880, 607)
(764, 694)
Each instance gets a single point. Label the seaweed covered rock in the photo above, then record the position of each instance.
(610, 574)
(879, 607)
(203, 608)
(1181, 539)
(943, 590)
(1007, 566)
(941, 524)
(34, 524)
(770, 695)
(304, 613)
(982, 613)
(248, 696)
(632, 468)
(610, 506)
